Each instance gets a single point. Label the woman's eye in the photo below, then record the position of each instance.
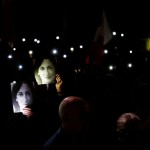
(20, 94)
(50, 67)
(28, 93)
(41, 68)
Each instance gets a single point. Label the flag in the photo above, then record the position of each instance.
(148, 44)
(102, 37)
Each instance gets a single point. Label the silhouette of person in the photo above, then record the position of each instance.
(128, 131)
(73, 133)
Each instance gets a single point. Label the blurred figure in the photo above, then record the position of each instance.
(66, 81)
(128, 132)
(46, 116)
(73, 112)
(73, 133)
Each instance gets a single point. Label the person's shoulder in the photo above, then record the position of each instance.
(53, 141)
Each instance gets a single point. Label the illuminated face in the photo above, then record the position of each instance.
(24, 96)
(47, 72)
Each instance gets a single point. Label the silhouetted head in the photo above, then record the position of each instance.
(127, 126)
(73, 112)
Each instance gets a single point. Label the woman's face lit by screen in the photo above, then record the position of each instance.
(24, 96)
(46, 72)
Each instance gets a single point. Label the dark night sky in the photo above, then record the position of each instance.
(77, 20)
(132, 19)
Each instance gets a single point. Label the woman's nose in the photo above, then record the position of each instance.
(46, 71)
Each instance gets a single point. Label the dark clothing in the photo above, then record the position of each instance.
(30, 134)
(46, 118)
(20, 133)
(67, 141)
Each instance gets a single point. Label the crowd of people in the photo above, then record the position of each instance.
(65, 108)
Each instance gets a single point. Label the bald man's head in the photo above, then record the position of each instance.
(126, 121)
(73, 112)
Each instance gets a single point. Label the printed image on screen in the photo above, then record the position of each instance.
(44, 71)
(22, 95)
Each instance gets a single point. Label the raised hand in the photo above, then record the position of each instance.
(59, 83)
(27, 112)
